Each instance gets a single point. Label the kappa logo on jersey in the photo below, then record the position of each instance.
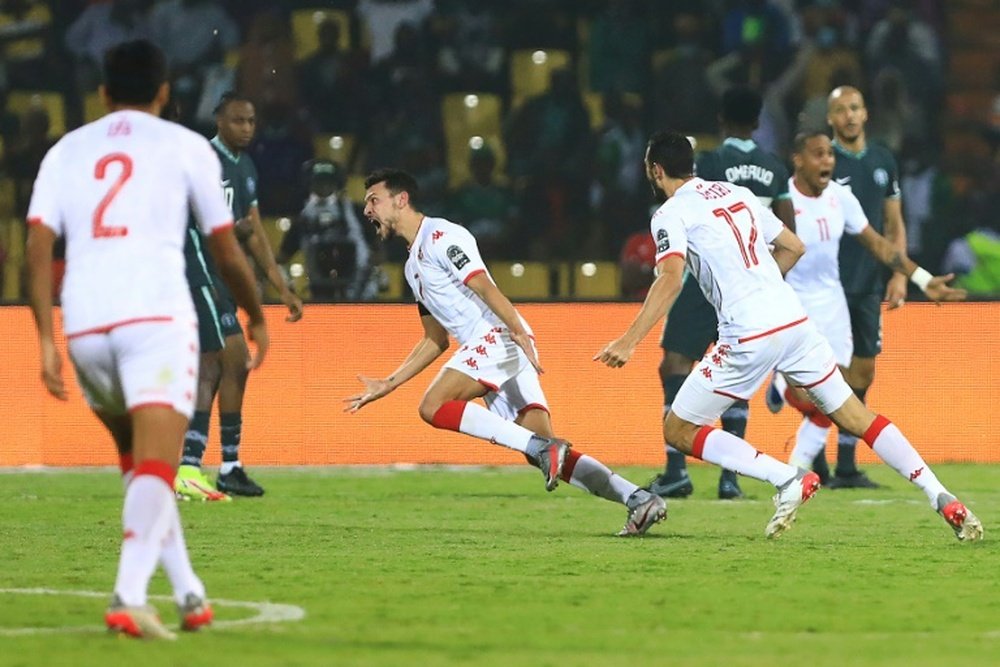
(436, 234)
(662, 241)
(457, 257)
(120, 129)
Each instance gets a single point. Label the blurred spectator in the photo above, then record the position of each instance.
(904, 42)
(975, 255)
(682, 97)
(756, 47)
(267, 61)
(100, 27)
(329, 83)
(823, 26)
(471, 55)
(619, 49)
(23, 156)
(926, 195)
(548, 151)
(382, 18)
(637, 262)
(329, 234)
(895, 117)
(283, 144)
(616, 193)
(488, 209)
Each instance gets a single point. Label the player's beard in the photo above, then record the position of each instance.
(658, 194)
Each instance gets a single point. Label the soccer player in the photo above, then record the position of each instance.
(496, 358)
(824, 211)
(722, 232)
(119, 191)
(223, 368)
(693, 325)
(870, 172)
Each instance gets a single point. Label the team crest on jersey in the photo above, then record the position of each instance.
(881, 177)
(251, 186)
(662, 241)
(457, 257)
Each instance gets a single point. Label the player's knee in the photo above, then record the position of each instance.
(678, 433)
(428, 408)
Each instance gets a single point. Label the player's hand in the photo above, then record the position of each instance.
(374, 390)
(294, 305)
(938, 290)
(895, 291)
(616, 353)
(523, 341)
(258, 334)
(52, 370)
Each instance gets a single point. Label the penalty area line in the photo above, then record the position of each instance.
(267, 612)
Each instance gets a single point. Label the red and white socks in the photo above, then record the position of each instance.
(891, 445)
(732, 453)
(587, 473)
(475, 420)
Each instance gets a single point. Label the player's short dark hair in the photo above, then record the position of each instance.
(134, 72)
(228, 98)
(673, 152)
(741, 106)
(799, 143)
(396, 181)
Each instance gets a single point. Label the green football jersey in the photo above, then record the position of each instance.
(872, 176)
(239, 185)
(742, 162)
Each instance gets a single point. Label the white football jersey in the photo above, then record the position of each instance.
(119, 190)
(443, 258)
(723, 231)
(821, 222)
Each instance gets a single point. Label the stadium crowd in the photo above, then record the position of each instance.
(526, 115)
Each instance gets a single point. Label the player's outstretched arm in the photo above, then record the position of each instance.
(39, 256)
(262, 254)
(661, 296)
(236, 273)
(504, 309)
(935, 287)
(429, 348)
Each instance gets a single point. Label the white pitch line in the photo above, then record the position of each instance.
(267, 612)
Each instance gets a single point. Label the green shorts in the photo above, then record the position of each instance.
(866, 324)
(691, 324)
(216, 317)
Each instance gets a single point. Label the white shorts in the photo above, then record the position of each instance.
(497, 363)
(735, 369)
(828, 312)
(144, 363)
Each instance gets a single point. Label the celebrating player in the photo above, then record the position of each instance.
(722, 232)
(692, 326)
(119, 190)
(496, 358)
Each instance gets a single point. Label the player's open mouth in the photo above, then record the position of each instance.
(825, 175)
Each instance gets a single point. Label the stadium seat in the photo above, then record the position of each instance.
(20, 101)
(596, 280)
(466, 116)
(93, 107)
(356, 188)
(524, 281)
(530, 70)
(304, 22)
(337, 148)
(594, 103)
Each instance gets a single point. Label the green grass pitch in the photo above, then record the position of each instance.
(482, 567)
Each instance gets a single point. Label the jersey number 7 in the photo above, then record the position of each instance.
(100, 171)
(748, 250)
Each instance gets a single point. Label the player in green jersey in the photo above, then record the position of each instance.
(224, 351)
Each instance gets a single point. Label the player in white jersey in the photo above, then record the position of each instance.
(722, 232)
(118, 190)
(496, 358)
(824, 212)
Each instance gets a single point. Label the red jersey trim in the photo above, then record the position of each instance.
(825, 378)
(532, 406)
(672, 253)
(124, 323)
(772, 331)
(728, 395)
(489, 385)
(35, 220)
(151, 404)
(222, 228)
(472, 275)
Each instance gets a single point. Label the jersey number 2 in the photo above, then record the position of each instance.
(100, 170)
(748, 250)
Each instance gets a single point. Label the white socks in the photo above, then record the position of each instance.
(732, 453)
(892, 447)
(146, 518)
(810, 440)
